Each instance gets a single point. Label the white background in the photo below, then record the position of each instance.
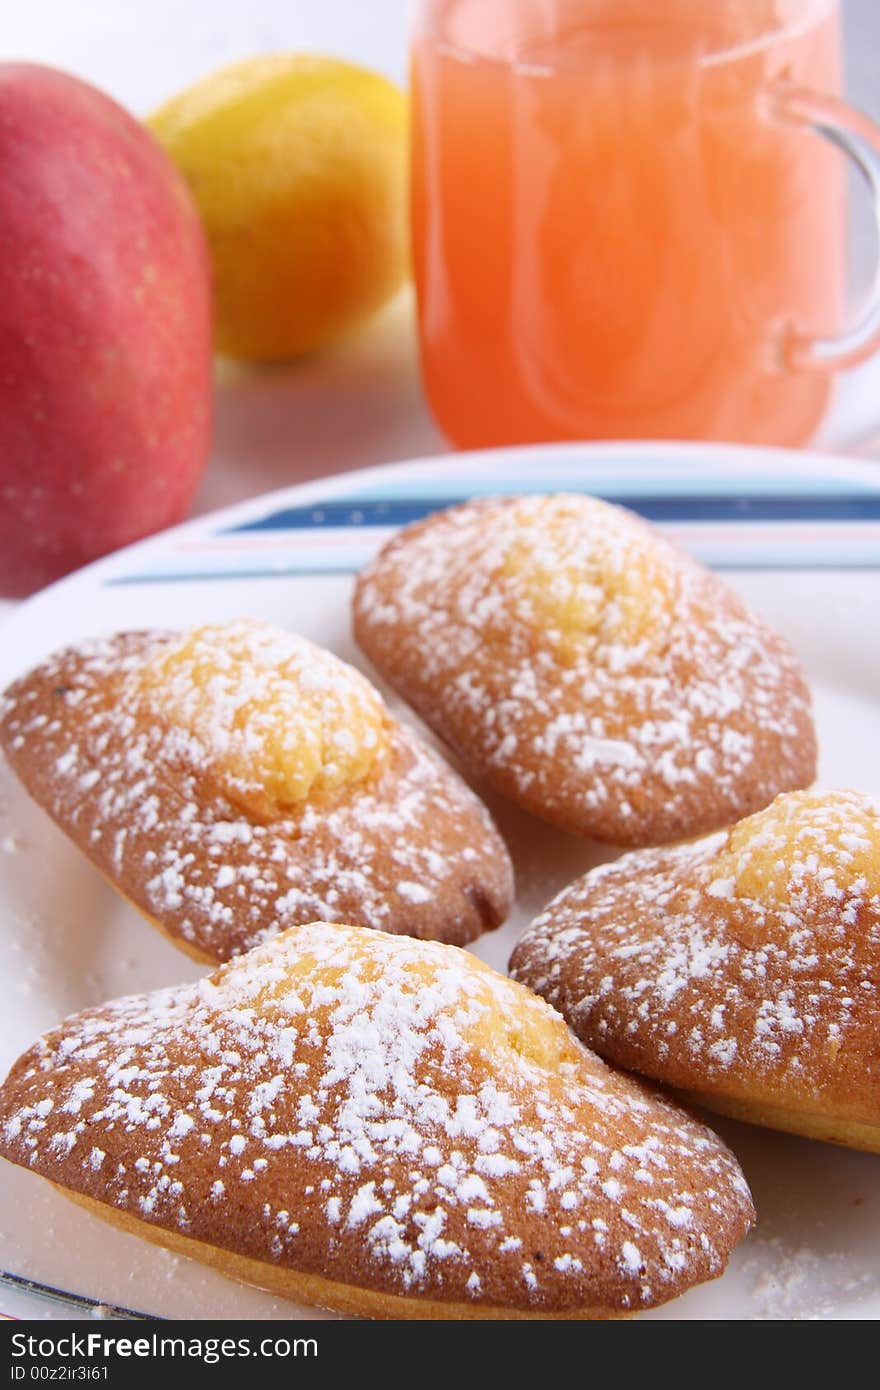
(143, 50)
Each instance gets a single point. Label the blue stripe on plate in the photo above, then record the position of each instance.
(94, 1306)
(808, 560)
(624, 477)
(195, 576)
(694, 508)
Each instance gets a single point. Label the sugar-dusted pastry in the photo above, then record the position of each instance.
(593, 672)
(234, 780)
(743, 970)
(382, 1126)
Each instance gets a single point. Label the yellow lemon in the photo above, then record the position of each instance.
(298, 166)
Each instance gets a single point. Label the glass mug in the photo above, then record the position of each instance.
(626, 222)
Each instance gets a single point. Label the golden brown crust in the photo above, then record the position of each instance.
(365, 1119)
(632, 698)
(410, 849)
(743, 970)
(832, 1129)
(311, 1289)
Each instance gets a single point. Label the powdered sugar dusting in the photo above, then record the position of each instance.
(601, 677)
(408, 848)
(747, 963)
(278, 718)
(380, 1111)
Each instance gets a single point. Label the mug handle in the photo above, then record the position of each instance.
(859, 139)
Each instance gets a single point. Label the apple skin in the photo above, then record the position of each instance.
(105, 330)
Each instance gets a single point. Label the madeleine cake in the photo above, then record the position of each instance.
(379, 1125)
(744, 970)
(236, 779)
(589, 669)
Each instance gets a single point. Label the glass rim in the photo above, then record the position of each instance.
(799, 23)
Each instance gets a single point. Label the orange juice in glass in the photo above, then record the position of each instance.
(625, 223)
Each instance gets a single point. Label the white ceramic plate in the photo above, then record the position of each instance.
(799, 537)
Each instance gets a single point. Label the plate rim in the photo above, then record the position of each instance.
(743, 457)
(737, 459)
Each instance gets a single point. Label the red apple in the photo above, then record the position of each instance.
(105, 330)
